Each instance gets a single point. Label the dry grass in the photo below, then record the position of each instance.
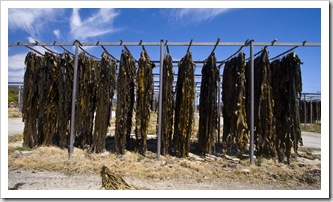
(15, 138)
(152, 128)
(13, 113)
(147, 168)
(311, 127)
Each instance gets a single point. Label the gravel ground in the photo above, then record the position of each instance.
(15, 126)
(311, 139)
(46, 180)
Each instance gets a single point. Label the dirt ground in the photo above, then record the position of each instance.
(49, 168)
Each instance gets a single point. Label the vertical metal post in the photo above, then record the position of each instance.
(251, 104)
(219, 109)
(310, 110)
(71, 140)
(194, 104)
(19, 99)
(304, 111)
(195, 91)
(160, 103)
(317, 117)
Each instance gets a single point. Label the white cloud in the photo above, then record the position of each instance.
(98, 24)
(31, 20)
(16, 67)
(194, 15)
(16, 76)
(31, 39)
(16, 62)
(56, 32)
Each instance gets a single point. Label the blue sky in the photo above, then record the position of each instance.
(177, 25)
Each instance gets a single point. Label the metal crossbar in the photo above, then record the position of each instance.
(169, 44)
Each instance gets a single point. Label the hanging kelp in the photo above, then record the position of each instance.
(86, 100)
(65, 82)
(280, 105)
(263, 106)
(294, 81)
(235, 130)
(30, 99)
(105, 86)
(228, 99)
(242, 137)
(51, 96)
(125, 101)
(167, 105)
(208, 105)
(287, 86)
(79, 96)
(184, 107)
(144, 99)
(41, 102)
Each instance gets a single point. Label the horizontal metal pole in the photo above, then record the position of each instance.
(169, 44)
(310, 98)
(196, 61)
(195, 83)
(177, 75)
(286, 44)
(242, 43)
(156, 87)
(15, 83)
(310, 93)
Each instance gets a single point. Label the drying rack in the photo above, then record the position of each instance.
(248, 43)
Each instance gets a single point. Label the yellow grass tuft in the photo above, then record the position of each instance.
(15, 138)
(311, 127)
(13, 113)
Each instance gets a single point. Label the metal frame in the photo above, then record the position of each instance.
(161, 44)
(20, 89)
(311, 97)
